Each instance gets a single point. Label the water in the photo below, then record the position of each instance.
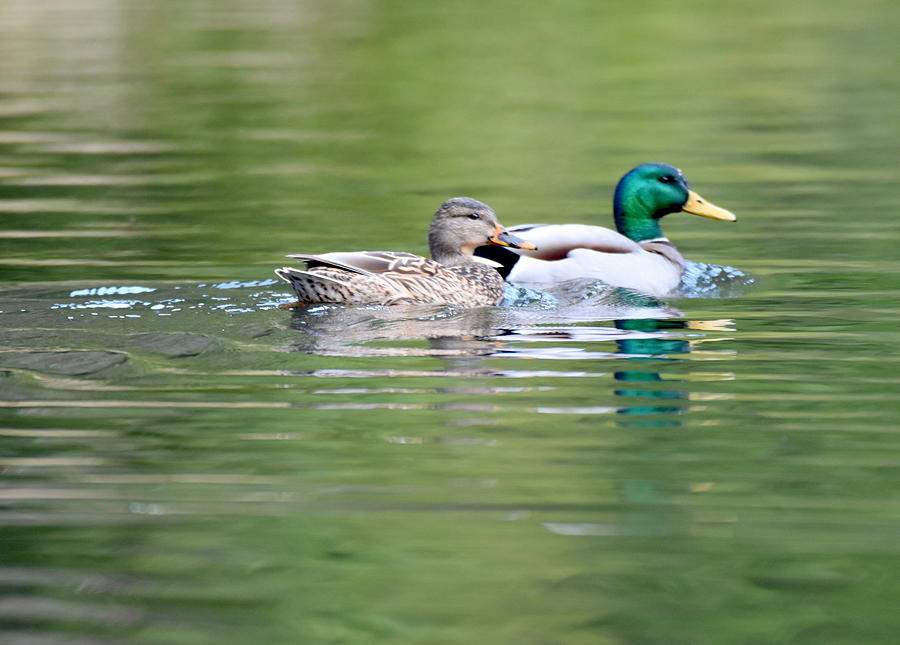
(184, 462)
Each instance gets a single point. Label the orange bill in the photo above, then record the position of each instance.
(505, 238)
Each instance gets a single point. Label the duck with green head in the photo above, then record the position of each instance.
(638, 256)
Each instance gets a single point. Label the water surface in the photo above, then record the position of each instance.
(184, 462)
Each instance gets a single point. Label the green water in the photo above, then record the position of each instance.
(183, 462)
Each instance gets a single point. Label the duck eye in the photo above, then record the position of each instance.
(473, 216)
(667, 179)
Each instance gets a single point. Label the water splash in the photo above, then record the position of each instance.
(702, 280)
(171, 300)
(111, 291)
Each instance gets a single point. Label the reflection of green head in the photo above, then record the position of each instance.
(650, 324)
(652, 346)
(633, 376)
(646, 377)
(636, 414)
(652, 394)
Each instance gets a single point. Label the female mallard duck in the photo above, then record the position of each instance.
(452, 276)
(638, 257)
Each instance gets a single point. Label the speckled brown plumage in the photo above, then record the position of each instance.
(391, 278)
(410, 279)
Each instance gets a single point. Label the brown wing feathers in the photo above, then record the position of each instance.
(399, 278)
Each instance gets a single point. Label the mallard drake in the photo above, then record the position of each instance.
(452, 276)
(638, 256)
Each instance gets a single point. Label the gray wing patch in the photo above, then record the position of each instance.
(287, 273)
(363, 262)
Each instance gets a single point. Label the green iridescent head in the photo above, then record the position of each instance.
(648, 192)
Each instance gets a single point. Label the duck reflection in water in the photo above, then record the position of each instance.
(464, 338)
(436, 331)
(654, 349)
(527, 316)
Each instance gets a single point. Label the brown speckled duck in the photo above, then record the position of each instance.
(452, 276)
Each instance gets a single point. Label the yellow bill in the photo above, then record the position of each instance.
(696, 205)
